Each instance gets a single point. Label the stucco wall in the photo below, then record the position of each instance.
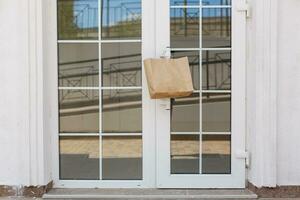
(14, 93)
(15, 148)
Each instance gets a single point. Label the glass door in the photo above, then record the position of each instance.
(200, 136)
(106, 119)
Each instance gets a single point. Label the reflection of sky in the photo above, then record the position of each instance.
(216, 2)
(119, 10)
(197, 2)
(86, 13)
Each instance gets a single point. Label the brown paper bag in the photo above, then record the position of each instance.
(168, 78)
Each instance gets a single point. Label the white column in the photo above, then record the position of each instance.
(36, 138)
(262, 93)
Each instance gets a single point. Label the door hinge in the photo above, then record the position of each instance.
(244, 155)
(244, 7)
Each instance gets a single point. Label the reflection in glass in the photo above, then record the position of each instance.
(184, 2)
(216, 27)
(216, 2)
(185, 114)
(77, 19)
(216, 70)
(184, 154)
(78, 111)
(193, 57)
(216, 112)
(122, 158)
(184, 27)
(216, 158)
(78, 65)
(121, 19)
(79, 158)
(122, 111)
(121, 64)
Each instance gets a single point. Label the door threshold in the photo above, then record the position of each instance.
(150, 194)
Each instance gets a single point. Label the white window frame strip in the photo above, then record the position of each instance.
(78, 134)
(200, 87)
(200, 6)
(77, 41)
(202, 49)
(78, 88)
(99, 41)
(100, 84)
(121, 41)
(216, 91)
(123, 88)
(203, 133)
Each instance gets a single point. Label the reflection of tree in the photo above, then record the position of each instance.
(66, 26)
(77, 19)
(123, 29)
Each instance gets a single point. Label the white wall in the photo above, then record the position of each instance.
(21, 163)
(14, 93)
(273, 142)
(288, 119)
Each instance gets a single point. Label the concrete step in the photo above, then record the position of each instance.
(149, 194)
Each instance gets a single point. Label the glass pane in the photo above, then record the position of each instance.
(216, 154)
(78, 65)
(216, 111)
(122, 158)
(185, 114)
(216, 2)
(216, 27)
(121, 19)
(79, 111)
(184, 154)
(79, 158)
(193, 57)
(216, 70)
(122, 111)
(184, 27)
(184, 2)
(77, 19)
(121, 64)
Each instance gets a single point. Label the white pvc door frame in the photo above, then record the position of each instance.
(156, 120)
(237, 177)
(149, 160)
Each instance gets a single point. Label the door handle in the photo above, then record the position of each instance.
(166, 53)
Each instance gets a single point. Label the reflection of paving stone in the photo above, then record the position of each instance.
(131, 147)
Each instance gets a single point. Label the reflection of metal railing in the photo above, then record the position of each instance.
(80, 73)
(184, 22)
(122, 70)
(218, 69)
(117, 69)
(215, 22)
